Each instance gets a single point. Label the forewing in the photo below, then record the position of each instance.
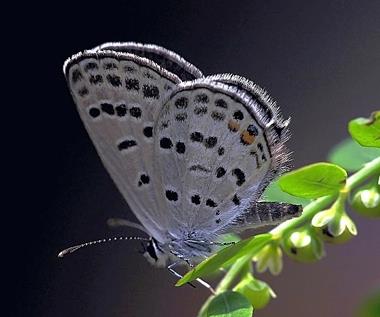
(118, 96)
(214, 152)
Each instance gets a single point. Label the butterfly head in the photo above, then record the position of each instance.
(154, 253)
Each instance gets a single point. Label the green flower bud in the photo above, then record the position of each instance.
(367, 201)
(257, 292)
(303, 245)
(270, 257)
(334, 225)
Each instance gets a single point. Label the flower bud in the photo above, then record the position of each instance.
(367, 201)
(269, 257)
(257, 292)
(303, 245)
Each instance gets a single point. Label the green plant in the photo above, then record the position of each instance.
(324, 189)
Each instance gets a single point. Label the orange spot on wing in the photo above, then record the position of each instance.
(233, 126)
(247, 138)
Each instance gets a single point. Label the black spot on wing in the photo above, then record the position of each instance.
(151, 91)
(221, 103)
(126, 144)
(94, 112)
(132, 84)
(135, 112)
(171, 195)
(201, 98)
(210, 142)
(236, 200)
(90, 66)
(196, 137)
(181, 116)
(196, 199)
(76, 76)
(148, 132)
(121, 110)
(200, 111)
(96, 79)
(180, 147)
(218, 116)
(144, 180)
(239, 175)
(220, 172)
(107, 108)
(181, 103)
(166, 143)
(83, 91)
(114, 80)
(238, 115)
(211, 203)
(252, 130)
(221, 151)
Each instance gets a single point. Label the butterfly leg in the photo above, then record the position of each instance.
(200, 281)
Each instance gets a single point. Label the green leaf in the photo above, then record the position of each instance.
(313, 181)
(366, 131)
(274, 193)
(351, 156)
(228, 304)
(246, 248)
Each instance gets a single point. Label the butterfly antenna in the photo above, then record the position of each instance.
(87, 244)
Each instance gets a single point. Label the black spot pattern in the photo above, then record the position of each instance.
(144, 179)
(151, 91)
(110, 66)
(76, 76)
(220, 171)
(201, 98)
(252, 130)
(166, 143)
(238, 115)
(132, 84)
(217, 213)
(199, 167)
(148, 132)
(200, 111)
(121, 110)
(107, 108)
(124, 145)
(135, 112)
(221, 103)
(129, 69)
(95, 79)
(83, 91)
(217, 220)
(239, 175)
(181, 103)
(90, 66)
(180, 147)
(196, 137)
(218, 116)
(171, 195)
(260, 146)
(236, 200)
(221, 151)
(114, 80)
(210, 142)
(181, 116)
(94, 112)
(211, 203)
(196, 199)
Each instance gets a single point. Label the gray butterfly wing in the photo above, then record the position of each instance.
(163, 57)
(215, 152)
(118, 96)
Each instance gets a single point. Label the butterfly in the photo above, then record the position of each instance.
(191, 154)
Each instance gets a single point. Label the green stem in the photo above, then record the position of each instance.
(370, 169)
(230, 276)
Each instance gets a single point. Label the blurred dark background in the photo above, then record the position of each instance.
(319, 59)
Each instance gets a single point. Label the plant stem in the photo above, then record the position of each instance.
(370, 169)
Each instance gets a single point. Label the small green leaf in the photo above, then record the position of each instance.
(351, 156)
(246, 248)
(366, 131)
(228, 304)
(274, 193)
(313, 181)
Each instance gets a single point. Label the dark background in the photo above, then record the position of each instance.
(319, 59)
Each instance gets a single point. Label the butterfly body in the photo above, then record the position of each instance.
(190, 154)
